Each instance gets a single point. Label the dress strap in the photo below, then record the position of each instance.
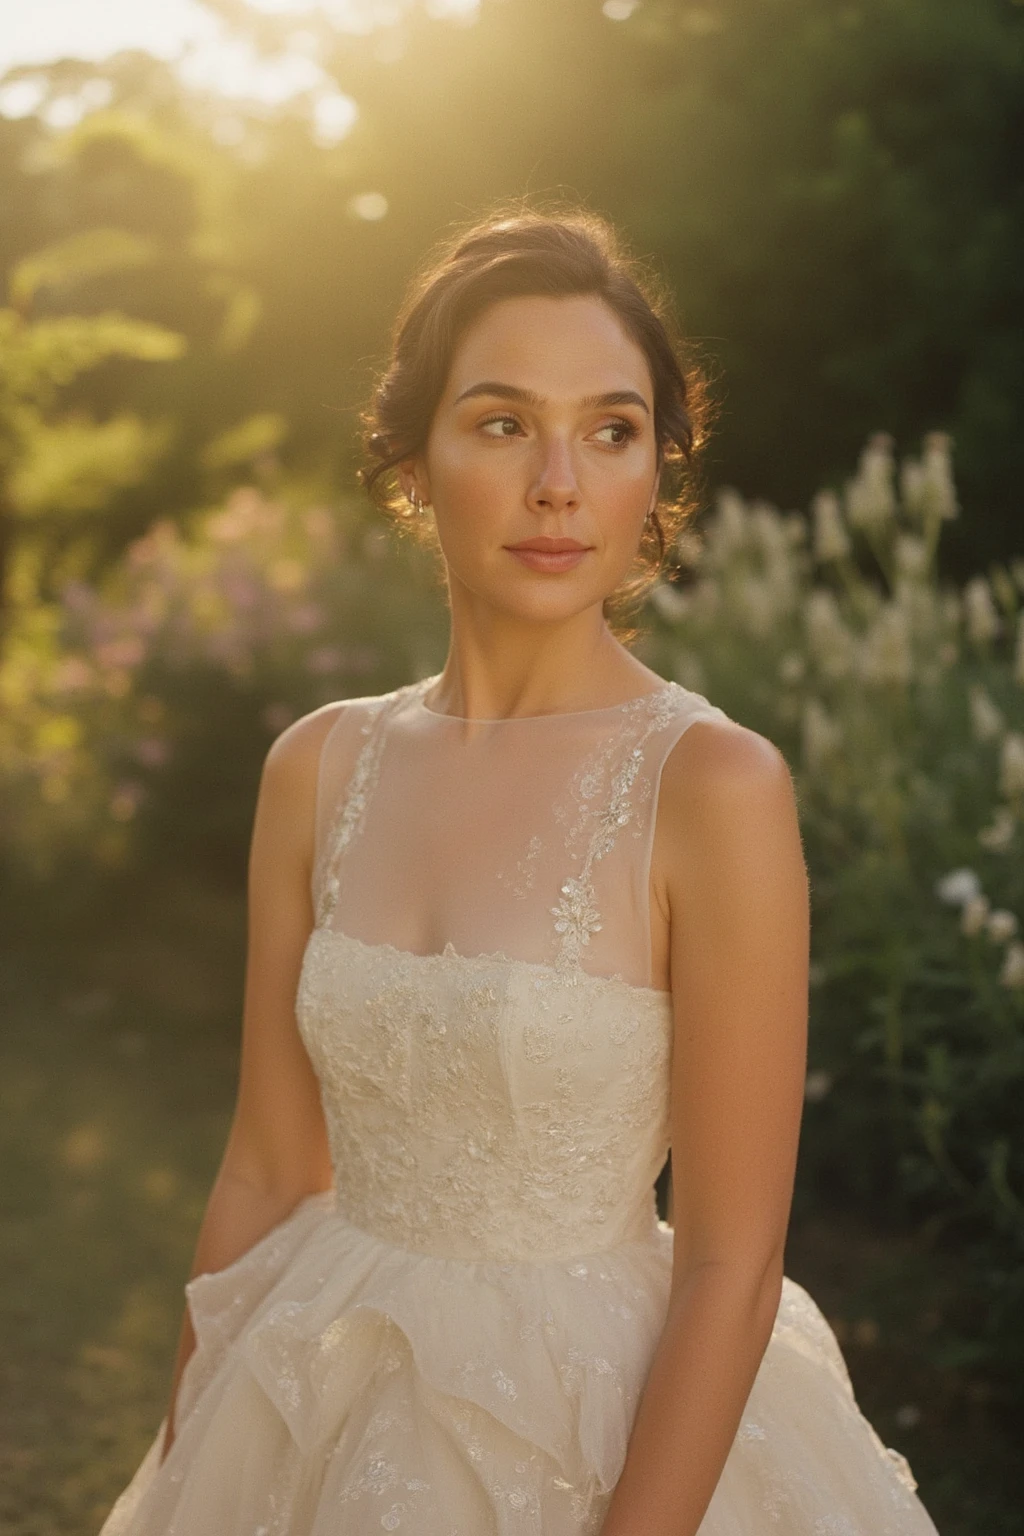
(616, 787)
(352, 804)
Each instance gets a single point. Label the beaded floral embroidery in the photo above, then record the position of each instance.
(354, 802)
(608, 790)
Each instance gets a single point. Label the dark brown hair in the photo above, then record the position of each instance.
(519, 252)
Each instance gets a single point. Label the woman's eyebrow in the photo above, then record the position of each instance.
(617, 397)
(502, 391)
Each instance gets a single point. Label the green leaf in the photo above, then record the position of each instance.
(36, 359)
(241, 444)
(75, 465)
(90, 253)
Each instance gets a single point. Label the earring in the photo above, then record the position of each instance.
(415, 503)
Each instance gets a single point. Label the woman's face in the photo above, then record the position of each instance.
(544, 435)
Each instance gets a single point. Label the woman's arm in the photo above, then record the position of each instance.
(276, 1150)
(735, 885)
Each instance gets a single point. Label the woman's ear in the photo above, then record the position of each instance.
(413, 480)
(655, 493)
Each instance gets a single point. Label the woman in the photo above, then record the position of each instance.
(516, 929)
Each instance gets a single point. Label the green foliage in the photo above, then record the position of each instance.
(249, 440)
(899, 703)
(115, 310)
(54, 467)
(41, 357)
(77, 466)
(88, 253)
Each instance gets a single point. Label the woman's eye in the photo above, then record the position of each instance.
(506, 426)
(622, 432)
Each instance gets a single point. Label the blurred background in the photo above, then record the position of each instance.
(209, 212)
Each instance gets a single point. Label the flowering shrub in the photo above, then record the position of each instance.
(899, 703)
(148, 700)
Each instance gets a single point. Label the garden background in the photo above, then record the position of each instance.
(197, 288)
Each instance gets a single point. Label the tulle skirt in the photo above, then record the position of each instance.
(342, 1386)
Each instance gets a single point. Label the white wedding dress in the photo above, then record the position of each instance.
(453, 1339)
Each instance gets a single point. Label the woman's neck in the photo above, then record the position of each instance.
(511, 670)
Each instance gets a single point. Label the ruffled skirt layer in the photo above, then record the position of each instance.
(342, 1386)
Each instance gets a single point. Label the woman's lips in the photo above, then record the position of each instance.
(548, 559)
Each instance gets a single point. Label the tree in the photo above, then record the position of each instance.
(57, 465)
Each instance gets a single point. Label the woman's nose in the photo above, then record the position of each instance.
(555, 487)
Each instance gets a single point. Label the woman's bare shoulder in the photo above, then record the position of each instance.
(300, 743)
(722, 756)
(722, 775)
(292, 767)
(296, 752)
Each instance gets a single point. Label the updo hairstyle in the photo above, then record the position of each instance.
(519, 253)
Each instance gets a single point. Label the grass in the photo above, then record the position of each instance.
(117, 1076)
(116, 1080)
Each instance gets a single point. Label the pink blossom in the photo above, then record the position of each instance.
(125, 651)
(73, 673)
(304, 618)
(325, 658)
(152, 751)
(126, 799)
(276, 717)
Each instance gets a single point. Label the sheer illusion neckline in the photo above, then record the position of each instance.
(561, 714)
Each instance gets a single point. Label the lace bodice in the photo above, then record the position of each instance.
(475, 995)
